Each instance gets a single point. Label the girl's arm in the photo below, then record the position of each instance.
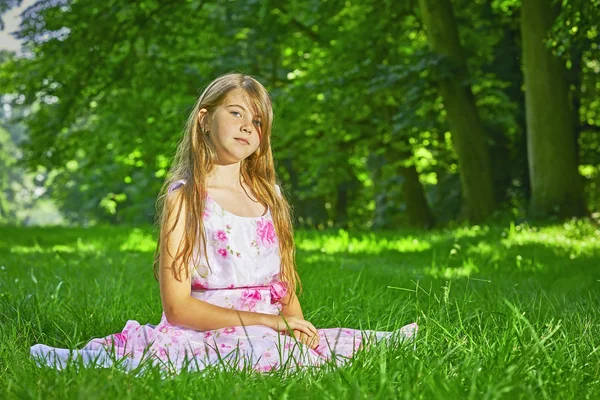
(291, 309)
(182, 309)
(291, 306)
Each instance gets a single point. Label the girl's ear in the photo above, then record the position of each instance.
(202, 114)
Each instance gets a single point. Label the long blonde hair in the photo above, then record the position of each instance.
(194, 160)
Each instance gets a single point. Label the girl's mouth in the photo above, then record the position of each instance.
(242, 140)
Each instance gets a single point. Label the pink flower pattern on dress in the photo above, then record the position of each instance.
(249, 298)
(220, 242)
(244, 275)
(120, 338)
(222, 252)
(266, 233)
(221, 236)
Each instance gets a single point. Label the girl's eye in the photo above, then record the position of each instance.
(238, 114)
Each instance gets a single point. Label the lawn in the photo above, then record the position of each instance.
(505, 311)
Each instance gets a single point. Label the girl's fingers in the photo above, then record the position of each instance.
(304, 338)
(303, 327)
(311, 327)
(300, 336)
(309, 340)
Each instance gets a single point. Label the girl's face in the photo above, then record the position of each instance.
(234, 130)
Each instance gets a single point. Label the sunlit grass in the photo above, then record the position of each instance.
(369, 243)
(504, 312)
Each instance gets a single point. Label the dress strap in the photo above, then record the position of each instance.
(176, 185)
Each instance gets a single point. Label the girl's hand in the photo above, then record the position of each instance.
(278, 323)
(310, 341)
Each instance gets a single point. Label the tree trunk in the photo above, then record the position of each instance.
(468, 133)
(506, 66)
(556, 187)
(417, 208)
(341, 205)
(574, 77)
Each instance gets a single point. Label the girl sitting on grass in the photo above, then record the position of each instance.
(225, 256)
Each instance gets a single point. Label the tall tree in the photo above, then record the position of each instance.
(556, 187)
(468, 133)
(417, 209)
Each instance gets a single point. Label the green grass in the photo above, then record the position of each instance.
(504, 312)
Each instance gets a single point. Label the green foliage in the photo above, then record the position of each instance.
(7, 160)
(109, 86)
(23, 197)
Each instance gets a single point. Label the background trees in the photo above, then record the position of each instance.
(383, 118)
(556, 186)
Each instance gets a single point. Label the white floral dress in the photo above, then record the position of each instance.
(243, 253)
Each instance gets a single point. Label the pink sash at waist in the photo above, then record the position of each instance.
(277, 289)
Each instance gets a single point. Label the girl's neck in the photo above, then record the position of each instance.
(225, 176)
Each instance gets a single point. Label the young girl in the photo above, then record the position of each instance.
(225, 256)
